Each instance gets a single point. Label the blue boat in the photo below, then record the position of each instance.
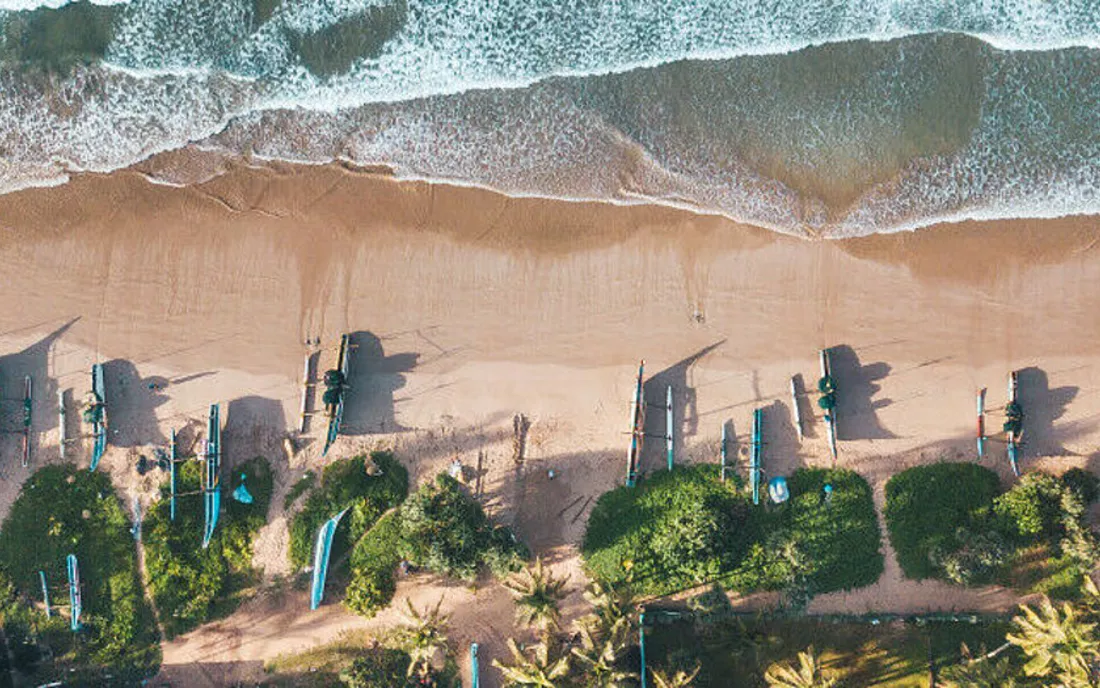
(322, 550)
(75, 604)
(755, 468)
(97, 411)
(211, 487)
(336, 410)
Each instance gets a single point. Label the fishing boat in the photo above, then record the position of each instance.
(828, 401)
(637, 429)
(981, 423)
(336, 391)
(76, 606)
(211, 484)
(28, 405)
(322, 550)
(95, 414)
(755, 468)
(669, 440)
(1014, 424)
(62, 440)
(797, 409)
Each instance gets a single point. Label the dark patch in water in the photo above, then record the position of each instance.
(55, 40)
(334, 49)
(262, 10)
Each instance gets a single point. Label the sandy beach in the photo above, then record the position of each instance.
(469, 307)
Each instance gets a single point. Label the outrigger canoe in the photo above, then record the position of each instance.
(96, 415)
(211, 487)
(981, 423)
(336, 385)
(28, 405)
(755, 468)
(827, 387)
(637, 429)
(1014, 424)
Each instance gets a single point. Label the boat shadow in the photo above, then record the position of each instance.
(857, 385)
(374, 377)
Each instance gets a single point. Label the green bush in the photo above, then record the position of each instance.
(925, 507)
(674, 530)
(191, 585)
(439, 528)
(63, 511)
(979, 556)
(373, 562)
(377, 667)
(837, 542)
(1083, 483)
(346, 485)
(686, 527)
(1032, 508)
(447, 532)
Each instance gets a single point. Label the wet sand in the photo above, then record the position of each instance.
(470, 307)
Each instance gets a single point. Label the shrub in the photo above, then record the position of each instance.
(373, 562)
(978, 558)
(926, 505)
(675, 529)
(1083, 483)
(346, 485)
(190, 585)
(63, 511)
(447, 532)
(1032, 507)
(439, 528)
(377, 667)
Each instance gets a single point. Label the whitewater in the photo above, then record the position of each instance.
(817, 118)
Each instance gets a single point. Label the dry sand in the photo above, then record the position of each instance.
(470, 307)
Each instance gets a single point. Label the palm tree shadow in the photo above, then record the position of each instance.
(685, 411)
(132, 403)
(857, 385)
(369, 406)
(1042, 406)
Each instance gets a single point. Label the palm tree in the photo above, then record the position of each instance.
(423, 636)
(808, 673)
(611, 602)
(983, 671)
(536, 671)
(681, 679)
(537, 596)
(1057, 643)
(599, 654)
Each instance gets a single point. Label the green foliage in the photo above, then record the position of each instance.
(926, 506)
(978, 557)
(191, 585)
(63, 511)
(345, 484)
(377, 667)
(674, 530)
(1032, 507)
(439, 528)
(299, 488)
(1083, 483)
(686, 527)
(373, 562)
(445, 531)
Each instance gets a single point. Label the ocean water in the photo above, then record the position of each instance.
(813, 117)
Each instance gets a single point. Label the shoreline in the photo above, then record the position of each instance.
(471, 307)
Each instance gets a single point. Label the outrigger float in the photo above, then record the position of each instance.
(796, 409)
(755, 468)
(75, 604)
(474, 678)
(827, 386)
(322, 550)
(335, 391)
(981, 423)
(28, 405)
(723, 453)
(1014, 423)
(61, 439)
(95, 414)
(211, 484)
(172, 478)
(637, 431)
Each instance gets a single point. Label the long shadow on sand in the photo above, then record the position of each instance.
(132, 403)
(685, 411)
(33, 362)
(1042, 406)
(857, 385)
(374, 377)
